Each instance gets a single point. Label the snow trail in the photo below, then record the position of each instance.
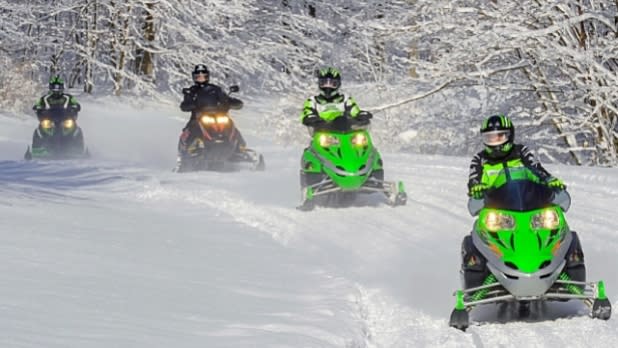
(119, 251)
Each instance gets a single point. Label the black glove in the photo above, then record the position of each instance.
(312, 120)
(364, 116)
(189, 94)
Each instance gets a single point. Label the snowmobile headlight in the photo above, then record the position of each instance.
(547, 219)
(328, 140)
(68, 123)
(46, 124)
(207, 119)
(495, 221)
(223, 120)
(359, 139)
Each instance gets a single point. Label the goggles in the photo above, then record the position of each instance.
(329, 82)
(495, 138)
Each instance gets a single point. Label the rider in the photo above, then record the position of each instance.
(203, 95)
(56, 97)
(498, 134)
(500, 155)
(315, 108)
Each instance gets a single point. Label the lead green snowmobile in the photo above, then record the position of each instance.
(522, 250)
(342, 162)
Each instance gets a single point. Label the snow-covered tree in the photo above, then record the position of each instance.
(434, 68)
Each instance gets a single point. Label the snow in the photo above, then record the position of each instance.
(118, 251)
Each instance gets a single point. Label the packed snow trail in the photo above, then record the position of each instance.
(118, 251)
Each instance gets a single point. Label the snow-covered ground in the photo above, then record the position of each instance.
(118, 251)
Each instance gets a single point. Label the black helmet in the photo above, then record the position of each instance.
(56, 85)
(200, 69)
(329, 81)
(498, 135)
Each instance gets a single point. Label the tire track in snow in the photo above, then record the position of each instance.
(239, 209)
(355, 235)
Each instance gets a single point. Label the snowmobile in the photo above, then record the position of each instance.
(521, 250)
(220, 147)
(57, 137)
(342, 162)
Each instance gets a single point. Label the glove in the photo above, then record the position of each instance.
(477, 191)
(363, 117)
(312, 120)
(189, 94)
(555, 183)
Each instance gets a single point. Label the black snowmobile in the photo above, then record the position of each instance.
(220, 146)
(58, 136)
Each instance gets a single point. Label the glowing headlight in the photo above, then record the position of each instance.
(68, 123)
(207, 120)
(359, 139)
(495, 221)
(328, 140)
(223, 120)
(45, 124)
(548, 219)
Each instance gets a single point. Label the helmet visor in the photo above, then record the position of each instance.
(200, 77)
(56, 88)
(495, 138)
(329, 82)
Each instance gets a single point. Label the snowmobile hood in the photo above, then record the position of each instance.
(347, 157)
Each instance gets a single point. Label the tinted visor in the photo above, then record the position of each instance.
(495, 138)
(203, 71)
(329, 82)
(54, 87)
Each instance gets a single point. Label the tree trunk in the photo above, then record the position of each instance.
(122, 53)
(145, 57)
(91, 44)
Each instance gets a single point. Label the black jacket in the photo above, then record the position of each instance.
(519, 151)
(209, 96)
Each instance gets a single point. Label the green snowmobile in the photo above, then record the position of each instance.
(522, 250)
(342, 162)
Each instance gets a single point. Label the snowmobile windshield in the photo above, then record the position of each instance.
(57, 113)
(341, 124)
(520, 195)
(209, 100)
(214, 109)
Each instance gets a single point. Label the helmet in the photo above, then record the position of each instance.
(56, 85)
(498, 134)
(200, 74)
(329, 81)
